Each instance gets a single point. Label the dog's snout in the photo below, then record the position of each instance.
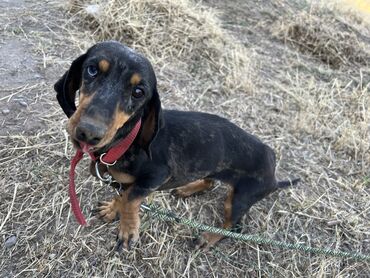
(90, 133)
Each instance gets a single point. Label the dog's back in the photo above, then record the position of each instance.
(208, 144)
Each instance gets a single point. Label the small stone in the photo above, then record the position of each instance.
(333, 223)
(5, 111)
(93, 10)
(23, 103)
(10, 241)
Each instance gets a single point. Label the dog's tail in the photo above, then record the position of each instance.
(286, 183)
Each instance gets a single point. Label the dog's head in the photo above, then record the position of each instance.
(117, 86)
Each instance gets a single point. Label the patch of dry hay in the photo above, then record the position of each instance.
(336, 111)
(324, 37)
(181, 33)
(339, 117)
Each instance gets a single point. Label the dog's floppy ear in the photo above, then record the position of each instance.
(152, 122)
(68, 84)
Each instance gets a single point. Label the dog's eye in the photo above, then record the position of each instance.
(92, 71)
(137, 93)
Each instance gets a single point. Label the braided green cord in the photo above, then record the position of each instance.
(170, 216)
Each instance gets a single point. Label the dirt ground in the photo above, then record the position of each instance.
(308, 99)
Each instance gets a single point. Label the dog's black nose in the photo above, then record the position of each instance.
(89, 133)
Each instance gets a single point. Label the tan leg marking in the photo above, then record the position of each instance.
(128, 229)
(193, 187)
(207, 239)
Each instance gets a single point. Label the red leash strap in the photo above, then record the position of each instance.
(109, 159)
(72, 189)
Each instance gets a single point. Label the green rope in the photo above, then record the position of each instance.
(170, 216)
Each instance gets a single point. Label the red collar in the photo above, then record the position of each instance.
(108, 158)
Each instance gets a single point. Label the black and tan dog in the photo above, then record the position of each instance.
(173, 149)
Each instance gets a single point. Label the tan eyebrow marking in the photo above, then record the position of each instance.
(104, 65)
(135, 79)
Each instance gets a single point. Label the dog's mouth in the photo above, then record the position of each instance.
(83, 146)
(124, 144)
(91, 135)
(88, 136)
(94, 145)
(86, 148)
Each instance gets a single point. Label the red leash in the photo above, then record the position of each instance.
(110, 158)
(72, 190)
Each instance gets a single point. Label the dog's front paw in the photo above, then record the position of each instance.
(108, 211)
(128, 231)
(206, 241)
(129, 224)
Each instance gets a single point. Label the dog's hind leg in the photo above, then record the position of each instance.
(241, 196)
(207, 240)
(192, 188)
(248, 191)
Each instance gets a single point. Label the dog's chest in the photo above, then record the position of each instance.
(123, 171)
(121, 177)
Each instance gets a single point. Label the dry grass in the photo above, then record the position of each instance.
(174, 34)
(337, 110)
(315, 115)
(324, 37)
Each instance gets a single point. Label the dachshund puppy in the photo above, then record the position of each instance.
(185, 151)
